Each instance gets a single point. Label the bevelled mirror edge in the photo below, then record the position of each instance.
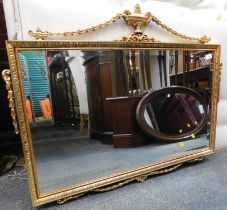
(14, 47)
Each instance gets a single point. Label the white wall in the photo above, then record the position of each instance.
(78, 72)
(200, 17)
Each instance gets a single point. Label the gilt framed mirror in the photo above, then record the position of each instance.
(81, 109)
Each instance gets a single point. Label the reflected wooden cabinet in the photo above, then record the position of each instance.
(126, 130)
(112, 111)
(98, 76)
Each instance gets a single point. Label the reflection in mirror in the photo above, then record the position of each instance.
(81, 108)
(173, 114)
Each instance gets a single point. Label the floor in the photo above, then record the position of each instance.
(201, 186)
(66, 162)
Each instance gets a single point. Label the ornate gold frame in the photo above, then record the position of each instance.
(115, 180)
(137, 40)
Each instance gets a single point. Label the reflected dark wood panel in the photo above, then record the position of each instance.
(126, 131)
(98, 76)
(195, 78)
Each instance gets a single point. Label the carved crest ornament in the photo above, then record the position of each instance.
(135, 19)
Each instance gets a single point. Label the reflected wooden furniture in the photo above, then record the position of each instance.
(84, 123)
(98, 76)
(177, 114)
(111, 74)
(196, 72)
(126, 131)
(64, 98)
(196, 78)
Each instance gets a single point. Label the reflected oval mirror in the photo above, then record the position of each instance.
(172, 114)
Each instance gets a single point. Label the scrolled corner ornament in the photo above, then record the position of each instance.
(6, 77)
(204, 39)
(39, 34)
(138, 38)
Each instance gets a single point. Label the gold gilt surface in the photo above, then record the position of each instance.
(7, 78)
(135, 19)
(115, 180)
